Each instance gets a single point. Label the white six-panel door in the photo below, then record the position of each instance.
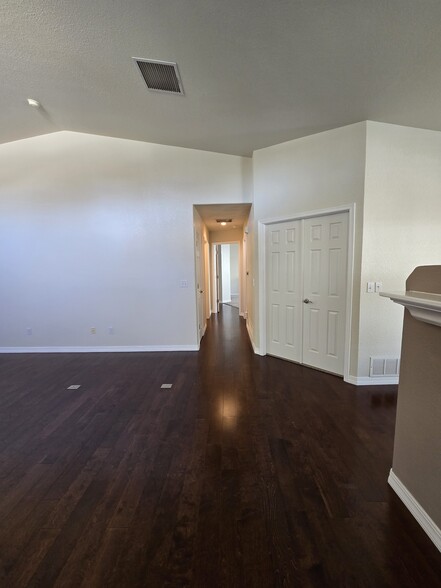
(284, 308)
(325, 250)
(306, 265)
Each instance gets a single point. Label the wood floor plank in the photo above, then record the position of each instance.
(250, 472)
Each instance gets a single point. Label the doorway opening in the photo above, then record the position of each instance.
(220, 233)
(226, 280)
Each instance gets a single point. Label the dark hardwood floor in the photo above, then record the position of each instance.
(249, 472)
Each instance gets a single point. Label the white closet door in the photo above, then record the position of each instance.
(284, 306)
(325, 245)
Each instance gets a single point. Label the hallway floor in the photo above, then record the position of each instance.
(249, 471)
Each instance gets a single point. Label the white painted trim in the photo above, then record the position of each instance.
(367, 381)
(349, 289)
(255, 349)
(261, 253)
(242, 270)
(309, 214)
(415, 508)
(261, 258)
(103, 349)
(197, 286)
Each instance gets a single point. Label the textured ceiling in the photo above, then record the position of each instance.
(255, 72)
(238, 213)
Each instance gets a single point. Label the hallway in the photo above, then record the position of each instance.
(249, 471)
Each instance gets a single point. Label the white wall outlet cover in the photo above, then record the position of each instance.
(370, 287)
(183, 284)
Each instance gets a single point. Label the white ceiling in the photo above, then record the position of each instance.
(255, 72)
(238, 213)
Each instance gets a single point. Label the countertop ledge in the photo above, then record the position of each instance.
(423, 306)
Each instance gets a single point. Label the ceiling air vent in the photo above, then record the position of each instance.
(160, 76)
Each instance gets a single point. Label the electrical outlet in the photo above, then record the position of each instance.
(183, 284)
(28, 331)
(93, 331)
(370, 287)
(378, 286)
(110, 330)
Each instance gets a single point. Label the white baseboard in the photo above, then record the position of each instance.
(103, 349)
(367, 381)
(250, 335)
(415, 508)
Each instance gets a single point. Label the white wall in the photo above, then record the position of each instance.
(250, 246)
(316, 172)
(226, 275)
(204, 265)
(229, 236)
(207, 272)
(98, 232)
(402, 226)
(234, 268)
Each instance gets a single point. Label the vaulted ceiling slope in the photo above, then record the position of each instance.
(255, 72)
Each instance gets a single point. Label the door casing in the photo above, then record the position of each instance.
(216, 277)
(262, 227)
(199, 284)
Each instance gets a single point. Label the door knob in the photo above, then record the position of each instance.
(201, 291)
(307, 301)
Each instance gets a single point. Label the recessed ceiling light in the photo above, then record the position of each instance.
(223, 223)
(33, 103)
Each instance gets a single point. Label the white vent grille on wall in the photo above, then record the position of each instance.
(160, 76)
(384, 366)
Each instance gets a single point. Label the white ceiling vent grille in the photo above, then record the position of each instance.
(160, 76)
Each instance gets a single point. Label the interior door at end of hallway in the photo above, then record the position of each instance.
(325, 245)
(284, 311)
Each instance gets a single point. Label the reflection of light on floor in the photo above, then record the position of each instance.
(229, 410)
(229, 423)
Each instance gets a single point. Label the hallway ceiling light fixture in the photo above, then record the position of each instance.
(33, 103)
(224, 221)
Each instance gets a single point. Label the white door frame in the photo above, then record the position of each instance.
(199, 266)
(262, 227)
(241, 269)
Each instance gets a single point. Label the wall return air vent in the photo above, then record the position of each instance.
(160, 76)
(384, 366)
